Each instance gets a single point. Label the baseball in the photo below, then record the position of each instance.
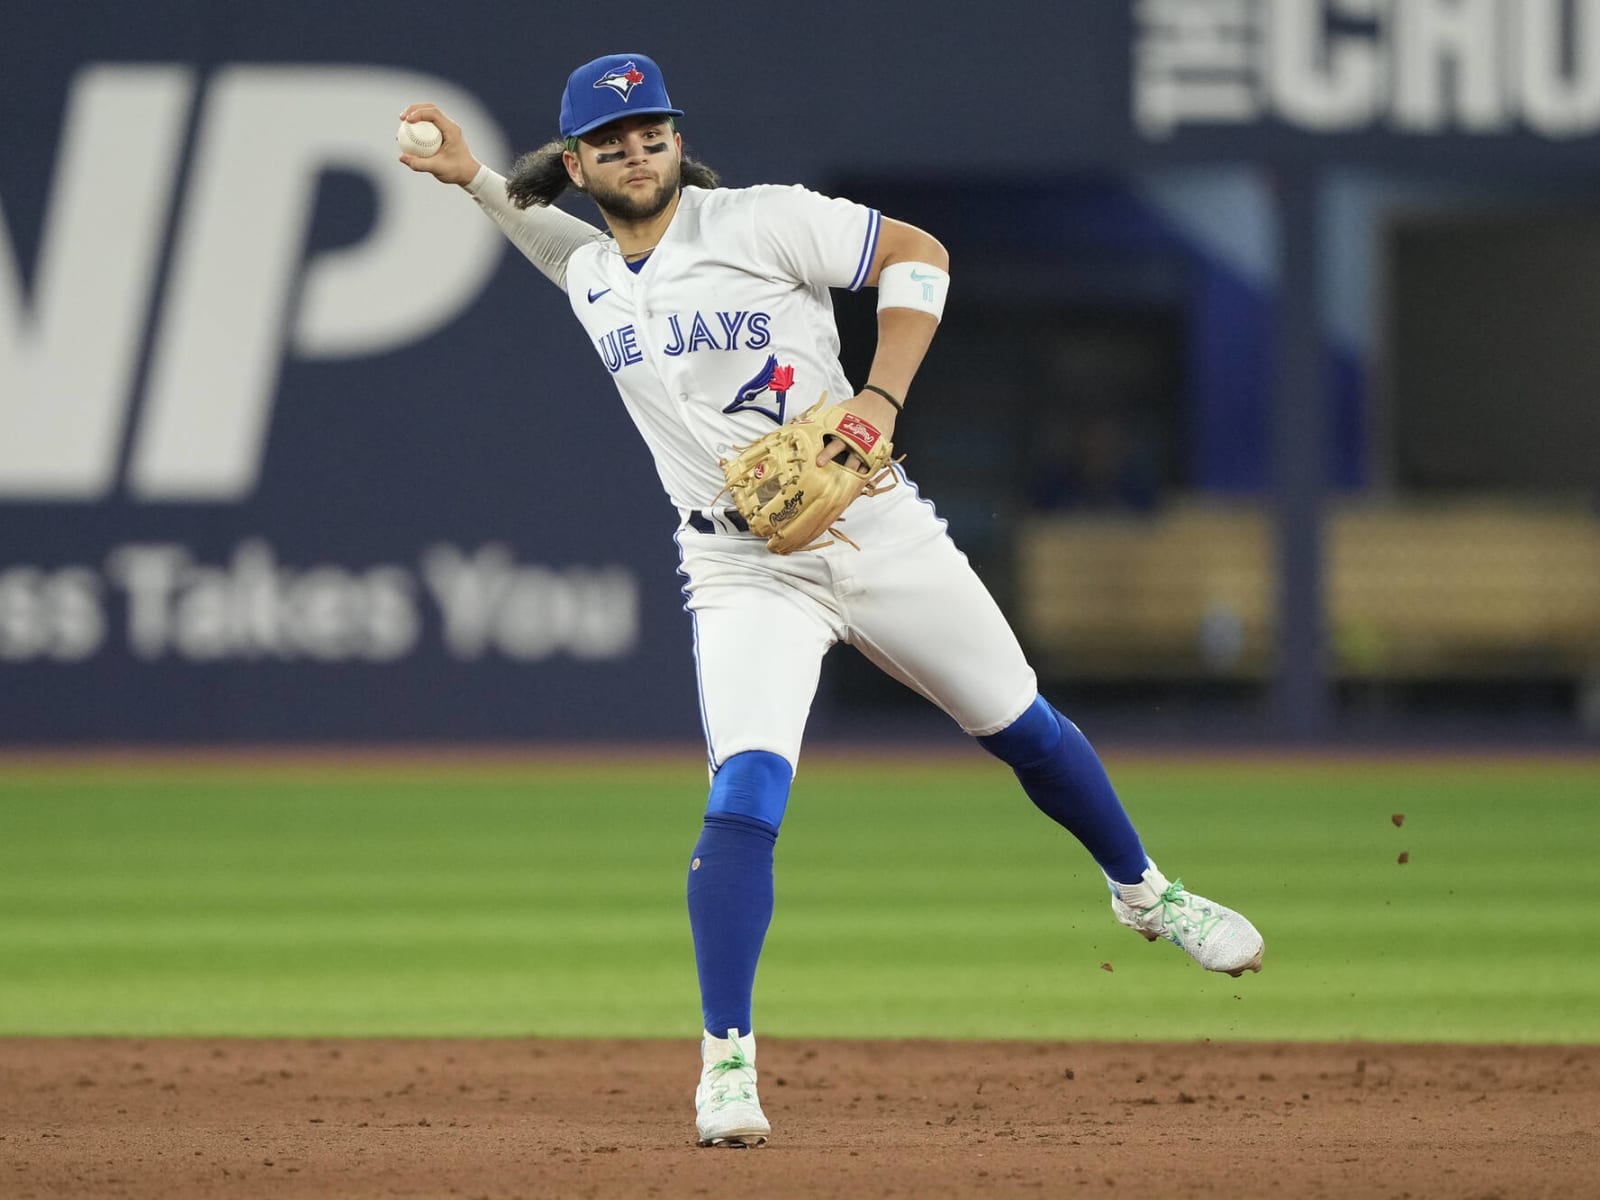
(421, 138)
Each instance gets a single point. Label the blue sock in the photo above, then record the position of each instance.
(1063, 776)
(730, 884)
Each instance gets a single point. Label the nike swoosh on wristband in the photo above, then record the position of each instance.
(594, 295)
(921, 278)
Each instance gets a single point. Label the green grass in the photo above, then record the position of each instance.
(912, 901)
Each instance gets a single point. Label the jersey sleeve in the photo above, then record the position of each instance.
(547, 237)
(813, 238)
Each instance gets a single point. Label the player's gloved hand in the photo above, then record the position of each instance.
(453, 163)
(793, 492)
(872, 408)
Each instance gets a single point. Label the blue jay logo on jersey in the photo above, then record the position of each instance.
(621, 82)
(770, 380)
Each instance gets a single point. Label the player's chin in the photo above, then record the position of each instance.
(633, 206)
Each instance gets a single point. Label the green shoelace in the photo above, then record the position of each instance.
(1174, 906)
(734, 1062)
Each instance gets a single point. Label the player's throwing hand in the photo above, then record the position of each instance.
(454, 162)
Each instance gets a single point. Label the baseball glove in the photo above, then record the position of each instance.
(785, 497)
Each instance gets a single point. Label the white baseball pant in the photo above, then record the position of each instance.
(908, 600)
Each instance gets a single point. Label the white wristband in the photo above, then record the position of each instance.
(913, 285)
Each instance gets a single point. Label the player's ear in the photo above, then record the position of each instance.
(574, 168)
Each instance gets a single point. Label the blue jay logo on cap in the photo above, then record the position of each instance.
(621, 81)
(615, 86)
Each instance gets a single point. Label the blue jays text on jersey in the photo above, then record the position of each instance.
(725, 331)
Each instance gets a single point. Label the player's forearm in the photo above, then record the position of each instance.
(904, 335)
(546, 236)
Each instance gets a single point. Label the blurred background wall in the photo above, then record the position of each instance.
(1265, 400)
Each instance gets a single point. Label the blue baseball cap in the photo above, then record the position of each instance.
(618, 85)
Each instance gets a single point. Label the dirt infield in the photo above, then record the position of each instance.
(501, 1119)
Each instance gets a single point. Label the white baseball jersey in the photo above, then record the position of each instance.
(727, 331)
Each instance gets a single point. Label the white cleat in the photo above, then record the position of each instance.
(1212, 934)
(727, 1109)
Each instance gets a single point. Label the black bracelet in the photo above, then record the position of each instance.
(872, 387)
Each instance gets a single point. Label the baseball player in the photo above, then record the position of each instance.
(710, 310)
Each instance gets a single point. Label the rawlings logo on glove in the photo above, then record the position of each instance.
(785, 497)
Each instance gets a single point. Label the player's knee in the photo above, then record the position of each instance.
(752, 784)
(1031, 738)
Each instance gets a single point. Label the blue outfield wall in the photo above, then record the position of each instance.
(293, 447)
